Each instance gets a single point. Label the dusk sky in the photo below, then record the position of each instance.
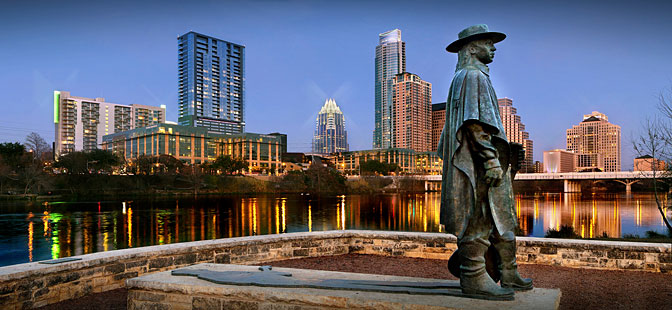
(561, 59)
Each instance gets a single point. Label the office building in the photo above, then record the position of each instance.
(194, 145)
(330, 135)
(597, 143)
(408, 161)
(515, 131)
(557, 161)
(80, 123)
(648, 163)
(411, 112)
(438, 120)
(211, 83)
(390, 61)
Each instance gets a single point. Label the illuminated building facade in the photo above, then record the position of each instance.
(515, 131)
(80, 123)
(193, 145)
(390, 61)
(330, 135)
(409, 161)
(556, 161)
(596, 142)
(648, 163)
(438, 120)
(411, 112)
(211, 83)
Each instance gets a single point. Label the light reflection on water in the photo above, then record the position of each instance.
(34, 232)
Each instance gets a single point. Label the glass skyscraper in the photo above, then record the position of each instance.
(211, 83)
(330, 135)
(390, 61)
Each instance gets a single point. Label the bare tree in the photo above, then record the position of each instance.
(36, 144)
(654, 146)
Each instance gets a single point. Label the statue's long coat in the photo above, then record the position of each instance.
(472, 98)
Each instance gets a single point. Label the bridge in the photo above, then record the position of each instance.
(572, 180)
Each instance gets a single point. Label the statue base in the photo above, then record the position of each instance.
(220, 286)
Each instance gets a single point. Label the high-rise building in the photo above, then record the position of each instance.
(211, 83)
(438, 120)
(596, 142)
(411, 112)
(390, 61)
(515, 131)
(80, 123)
(330, 135)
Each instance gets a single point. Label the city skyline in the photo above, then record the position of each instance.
(565, 59)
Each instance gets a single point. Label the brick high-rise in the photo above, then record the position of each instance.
(596, 142)
(515, 131)
(438, 120)
(411, 112)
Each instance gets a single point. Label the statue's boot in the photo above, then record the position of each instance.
(510, 276)
(474, 280)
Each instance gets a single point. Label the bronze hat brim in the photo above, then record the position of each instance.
(457, 45)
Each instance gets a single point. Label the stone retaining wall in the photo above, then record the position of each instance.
(33, 284)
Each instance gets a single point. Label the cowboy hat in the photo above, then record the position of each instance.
(473, 33)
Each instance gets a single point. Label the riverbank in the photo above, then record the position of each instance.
(327, 182)
(581, 288)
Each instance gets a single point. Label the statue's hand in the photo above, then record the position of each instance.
(493, 176)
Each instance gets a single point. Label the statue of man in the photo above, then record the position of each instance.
(477, 203)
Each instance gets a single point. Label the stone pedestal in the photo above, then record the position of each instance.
(165, 291)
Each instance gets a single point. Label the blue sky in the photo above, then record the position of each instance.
(562, 59)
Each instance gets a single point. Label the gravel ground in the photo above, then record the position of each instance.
(581, 288)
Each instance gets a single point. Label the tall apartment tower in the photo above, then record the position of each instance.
(515, 132)
(411, 112)
(330, 135)
(438, 120)
(211, 83)
(80, 123)
(596, 142)
(390, 61)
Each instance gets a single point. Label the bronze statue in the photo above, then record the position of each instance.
(477, 203)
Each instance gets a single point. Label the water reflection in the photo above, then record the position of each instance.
(592, 217)
(33, 232)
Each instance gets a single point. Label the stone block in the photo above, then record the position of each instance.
(665, 257)
(615, 254)
(223, 259)
(300, 252)
(40, 292)
(125, 275)
(237, 304)
(239, 250)
(115, 268)
(137, 263)
(160, 262)
(548, 250)
(184, 259)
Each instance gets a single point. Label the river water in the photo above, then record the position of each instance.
(31, 231)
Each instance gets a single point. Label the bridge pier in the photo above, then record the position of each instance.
(432, 186)
(628, 184)
(572, 186)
